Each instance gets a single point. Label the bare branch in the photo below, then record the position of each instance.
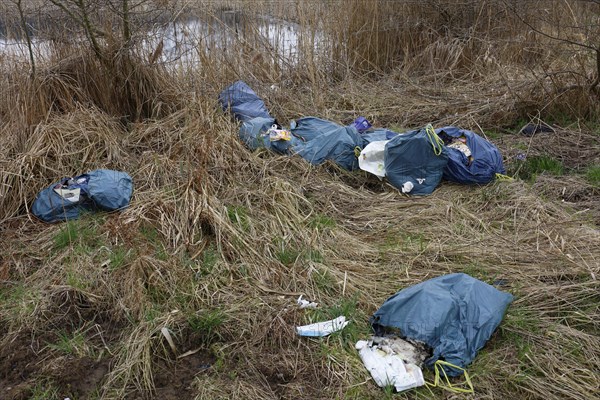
(564, 40)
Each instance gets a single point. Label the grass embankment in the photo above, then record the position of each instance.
(219, 242)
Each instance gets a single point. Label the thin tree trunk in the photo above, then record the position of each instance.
(27, 36)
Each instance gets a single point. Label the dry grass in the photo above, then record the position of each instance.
(218, 242)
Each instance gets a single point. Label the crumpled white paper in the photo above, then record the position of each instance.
(325, 328)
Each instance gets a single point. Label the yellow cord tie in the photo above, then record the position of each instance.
(445, 383)
(434, 139)
(357, 151)
(502, 177)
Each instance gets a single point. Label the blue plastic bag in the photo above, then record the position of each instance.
(478, 167)
(321, 140)
(97, 190)
(453, 314)
(417, 159)
(243, 102)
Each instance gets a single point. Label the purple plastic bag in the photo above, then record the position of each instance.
(361, 124)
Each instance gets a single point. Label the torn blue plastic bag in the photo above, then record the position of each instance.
(96, 190)
(262, 132)
(471, 158)
(246, 106)
(455, 315)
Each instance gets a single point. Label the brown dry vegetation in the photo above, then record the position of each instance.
(218, 241)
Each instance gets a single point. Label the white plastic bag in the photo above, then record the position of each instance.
(372, 158)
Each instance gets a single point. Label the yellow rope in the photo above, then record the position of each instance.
(434, 139)
(445, 384)
(502, 177)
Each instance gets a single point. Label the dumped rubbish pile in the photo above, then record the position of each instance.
(440, 324)
(414, 162)
(98, 190)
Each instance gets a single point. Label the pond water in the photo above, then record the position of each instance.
(184, 41)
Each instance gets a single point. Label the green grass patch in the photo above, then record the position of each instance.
(76, 280)
(209, 259)
(119, 256)
(321, 222)
(207, 324)
(492, 135)
(477, 271)
(72, 344)
(19, 302)
(45, 390)
(533, 166)
(82, 232)
(324, 281)
(593, 175)
(286, 253)
(404, 241)
(239, 215)
(149, 233)
(314, 255)
(522, 320)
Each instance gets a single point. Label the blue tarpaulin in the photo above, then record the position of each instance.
(97, 190)
(453, 314)
(484, 162)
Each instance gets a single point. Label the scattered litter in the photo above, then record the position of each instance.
(453, 314)
(392, 362)
(521, 156)
(71, 195)
(407, 187)
(460, 144)
(471, 158)
(442, 380)
(275, 134)
(325, 328)
(306, 304)
(418, 157)
(243, 102)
